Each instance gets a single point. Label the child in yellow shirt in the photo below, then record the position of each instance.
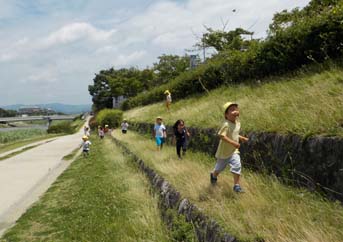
(227, 151)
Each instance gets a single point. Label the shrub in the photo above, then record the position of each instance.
(93, 124)
(313, 36)
(61, 127)
(111, 117)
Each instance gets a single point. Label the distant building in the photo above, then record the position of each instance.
(29, 110)
(35, 110)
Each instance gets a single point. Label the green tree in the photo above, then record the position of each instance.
(168, 67)
(221, 40)
(101, 91)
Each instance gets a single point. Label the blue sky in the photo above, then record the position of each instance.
(50, 49)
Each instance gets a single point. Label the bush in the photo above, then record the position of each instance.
(111, 117)
(61, 127)
(314, 36)
(93, 124)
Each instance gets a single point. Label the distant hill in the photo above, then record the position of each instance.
(58, 107)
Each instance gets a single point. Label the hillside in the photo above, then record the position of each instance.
(306, 103)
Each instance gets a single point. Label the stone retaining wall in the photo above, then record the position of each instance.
(313, 162)
(206, 229)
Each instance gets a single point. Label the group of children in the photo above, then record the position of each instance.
(102, 131)
(228, 149)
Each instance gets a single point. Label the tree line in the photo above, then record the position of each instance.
(295, 38)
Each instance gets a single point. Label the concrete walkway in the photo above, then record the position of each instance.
(26, 146)
(25, 177)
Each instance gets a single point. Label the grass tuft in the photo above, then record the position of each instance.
(102, 197)
(268, 209)
(304, 104)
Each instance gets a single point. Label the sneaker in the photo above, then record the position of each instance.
(237, 188)
(213, 178)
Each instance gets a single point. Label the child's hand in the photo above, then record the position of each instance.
(244, 139)
(235, 113)
(236, 145)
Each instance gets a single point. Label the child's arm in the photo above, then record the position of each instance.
(230, 141)
(187, 133)
(243, 139)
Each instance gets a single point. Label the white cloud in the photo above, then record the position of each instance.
(58, 48)
(68, 34)
(124, 60)
(75, 32)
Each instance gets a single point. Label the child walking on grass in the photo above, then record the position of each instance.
(85, 145)
(124, 126)
(101, 132)
(159, 133)
(168, 99)
(180, 135)
(227, 151)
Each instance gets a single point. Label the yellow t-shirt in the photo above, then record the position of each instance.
(231, 130)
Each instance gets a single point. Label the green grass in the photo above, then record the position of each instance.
(304, 104)
(20, 143)
(17, 152)
(268, 209)
(99, 198)
(16, 135)
(71, 155)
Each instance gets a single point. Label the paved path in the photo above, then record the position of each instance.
(3, 154)
(25, 177)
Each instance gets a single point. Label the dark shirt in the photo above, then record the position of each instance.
(180, 137)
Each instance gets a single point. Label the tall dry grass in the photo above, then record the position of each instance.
(266, 210)
(305, 104)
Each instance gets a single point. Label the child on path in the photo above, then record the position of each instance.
(159, 133)
(101, 132)
(180, 135)
(227, 151)
(85, 129)
(87, 132)
(85, 145)
(168, 99)
(124, 126)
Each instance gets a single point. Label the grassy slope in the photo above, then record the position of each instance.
(267, 210)
(99, 198)
(305, 104)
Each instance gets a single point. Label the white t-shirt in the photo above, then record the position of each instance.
(86, 144)
(124, 126)
(159, 130)
(169, 99)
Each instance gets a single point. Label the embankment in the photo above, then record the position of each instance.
(314, 162)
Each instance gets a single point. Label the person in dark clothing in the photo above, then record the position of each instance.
(180, 136)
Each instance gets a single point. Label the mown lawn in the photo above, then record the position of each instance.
(102, 197)
(305, 104)
(268, 209)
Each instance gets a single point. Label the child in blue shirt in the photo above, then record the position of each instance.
(159, 133)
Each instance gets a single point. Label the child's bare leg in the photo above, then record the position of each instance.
(236, 178)
(215, 173)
